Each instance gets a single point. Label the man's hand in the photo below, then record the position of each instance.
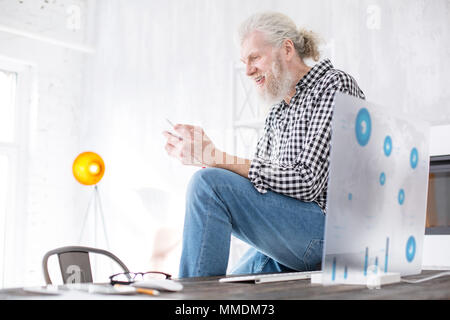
(192, 147)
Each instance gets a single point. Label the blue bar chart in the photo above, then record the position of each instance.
(368, 265)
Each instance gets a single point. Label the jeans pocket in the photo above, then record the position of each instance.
(313, 255)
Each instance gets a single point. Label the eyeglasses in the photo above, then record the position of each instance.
(130, 277)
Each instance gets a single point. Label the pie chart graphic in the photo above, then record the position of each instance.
(363, 127)
(382, 178)
(401, 196)
(410, 249)
(414, 158)
(387, 146)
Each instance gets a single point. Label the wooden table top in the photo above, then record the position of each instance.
(209, 288)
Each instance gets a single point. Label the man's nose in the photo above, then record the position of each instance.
(250, 69)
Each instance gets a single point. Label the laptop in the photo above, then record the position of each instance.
(377, 196)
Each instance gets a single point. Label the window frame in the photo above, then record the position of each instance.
(14, 219)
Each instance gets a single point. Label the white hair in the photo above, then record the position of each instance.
(277, 28)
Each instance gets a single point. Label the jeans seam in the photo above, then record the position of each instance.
(262, 265)
(218, 195)
(312, 205)
(200, 259)
(306, 254)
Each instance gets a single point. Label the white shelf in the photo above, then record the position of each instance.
(439, 138)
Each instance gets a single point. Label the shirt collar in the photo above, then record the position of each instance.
(316, 72)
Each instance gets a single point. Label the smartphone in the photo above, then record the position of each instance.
(171, 132)
(172, 125)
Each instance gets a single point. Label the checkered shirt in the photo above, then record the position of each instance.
(292, 155)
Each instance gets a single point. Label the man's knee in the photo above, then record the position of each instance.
(201, 195)
(205, 179)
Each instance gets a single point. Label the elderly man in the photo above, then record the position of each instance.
(277, 201)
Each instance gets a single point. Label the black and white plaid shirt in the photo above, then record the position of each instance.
(292, 156)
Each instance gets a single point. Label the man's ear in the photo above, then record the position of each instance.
(288, 49)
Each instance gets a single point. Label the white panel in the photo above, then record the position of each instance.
(436, 253)
(376, 194)
(439, 140)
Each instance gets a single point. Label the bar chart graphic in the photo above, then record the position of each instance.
(367, 265)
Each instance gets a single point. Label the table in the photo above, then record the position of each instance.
(209, 288)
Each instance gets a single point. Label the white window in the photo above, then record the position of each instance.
(4, 187)
(8, 81)
(15, 94)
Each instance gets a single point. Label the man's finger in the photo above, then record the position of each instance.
(183, 126)
(171, 138)
(184, 130)
(168, 134)
(172, 150)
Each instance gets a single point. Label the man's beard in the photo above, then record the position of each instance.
(279, 83)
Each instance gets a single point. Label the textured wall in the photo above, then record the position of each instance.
(40, 34)
(403, 62)
(108, 77)
(173, 59)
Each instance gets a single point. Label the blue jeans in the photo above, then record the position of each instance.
(285, 234)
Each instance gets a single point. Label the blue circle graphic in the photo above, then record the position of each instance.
(414, 158)
(382, 178)
(401, 196)
(410, 249)
(363, 126)
(387, 146)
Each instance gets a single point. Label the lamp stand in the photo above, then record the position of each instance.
(98, 213)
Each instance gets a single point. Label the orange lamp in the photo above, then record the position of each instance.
(88, 168)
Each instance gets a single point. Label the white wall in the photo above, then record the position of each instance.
(173, 59)
(403, 63)
(36, 34)
(110, 84)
